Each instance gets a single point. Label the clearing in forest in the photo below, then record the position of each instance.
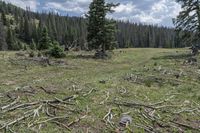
(159, 90)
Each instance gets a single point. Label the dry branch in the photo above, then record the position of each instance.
(47, 91)
(24, 105)
(76, 121)
(89, 92)
(108, 117)
(127, 104)
(47, 120)
(11, 104)
(187, 110)
(144, 127)
(168, 106)
(185, 125)
(30, 112)
(47, 113)
(16, 121)
(61, 124)
(107, 97)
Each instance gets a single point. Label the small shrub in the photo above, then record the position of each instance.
(32, 54)
(21, 46)
(25, 47)
(148, 83)
(33, 45)
(103, 55)
(39, 54)
(15, 46)
(56, 51)
(198, 98)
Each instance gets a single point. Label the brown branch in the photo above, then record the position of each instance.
(107, 97)
(76, 121)
(127, 104)
(145, 128)
(16, 121)
(63, 125)
(11, 104)
(23, 105)
(47, 91)
(47, 120)
(167, 106)
(50, 102)
(89, 92)
(48, 114)
(185, 125)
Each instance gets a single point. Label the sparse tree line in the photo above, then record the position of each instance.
(22, 29)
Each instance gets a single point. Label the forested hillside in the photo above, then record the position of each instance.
(21, 29)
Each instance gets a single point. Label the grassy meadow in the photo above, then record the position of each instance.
(158, 88)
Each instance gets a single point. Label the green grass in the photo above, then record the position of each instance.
(80, 75)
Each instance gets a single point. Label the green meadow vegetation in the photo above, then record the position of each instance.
(157, 88)
(92, 74)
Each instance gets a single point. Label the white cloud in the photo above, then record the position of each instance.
(75, 6)
(156, 13)
(146, 11)
(146, 18)
(167, 8)
(25, 3)
(125, 8)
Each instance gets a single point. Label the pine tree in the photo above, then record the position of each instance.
(27, 30)
(44, 42)
(3, 18)
(21, 28)
(35, 35)
(33, 45)
(56, 50)
(100, 30)
(110, 37)
(10, 39)
(3, 44)
(96, 22)
(188, 20)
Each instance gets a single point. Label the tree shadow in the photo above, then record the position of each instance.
(177, 56)
(81, 56)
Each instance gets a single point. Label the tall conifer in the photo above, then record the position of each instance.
(100, 30)
(44, 42)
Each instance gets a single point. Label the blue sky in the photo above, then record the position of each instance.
(158, 12)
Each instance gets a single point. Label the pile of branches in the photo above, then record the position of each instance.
(163, 116)
(26, 62)
(152, 80)
(15, 111)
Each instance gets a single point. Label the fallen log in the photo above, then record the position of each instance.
(185, 125)
(11, 104)
(47, 120)
(127, 104)
(61, 124)
(76, 121)
(16, 121)
(39, 102)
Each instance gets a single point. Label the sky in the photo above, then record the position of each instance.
(158, 12)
